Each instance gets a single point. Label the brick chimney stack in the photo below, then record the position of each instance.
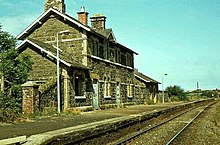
(56, 4)
(83, 16)
(98, 21)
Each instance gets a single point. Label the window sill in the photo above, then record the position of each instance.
(80, 97)
(108, 61)
(107, 97)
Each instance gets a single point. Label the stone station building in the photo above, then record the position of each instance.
(96, 71)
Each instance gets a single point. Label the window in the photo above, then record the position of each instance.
(91, 45)
(94, 47)
(112, 55)
(129, 60)
(101, 51)
(117, 55)
(123, 59)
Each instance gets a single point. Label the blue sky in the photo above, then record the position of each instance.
(177, 37)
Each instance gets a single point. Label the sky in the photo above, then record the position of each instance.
(180, 38)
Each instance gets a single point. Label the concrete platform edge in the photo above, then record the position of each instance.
(80, 132)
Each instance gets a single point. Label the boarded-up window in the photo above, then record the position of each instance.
(78, 85)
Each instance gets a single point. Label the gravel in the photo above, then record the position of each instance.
(205, 130)
(164, 133)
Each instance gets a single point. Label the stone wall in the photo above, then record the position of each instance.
(73, 43)
(43, 69)
(114, 74)
(113, 65)
(105, 49)
(146, 90)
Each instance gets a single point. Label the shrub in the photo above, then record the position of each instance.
(209, 94)
(14, 71)
(176, 93)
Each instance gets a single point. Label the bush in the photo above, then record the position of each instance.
(209, 94)
(176, 93)
(8, 115)
(14, 69)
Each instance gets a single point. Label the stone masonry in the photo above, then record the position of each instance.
(95, 69)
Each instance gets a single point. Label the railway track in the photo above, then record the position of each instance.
(193, 113)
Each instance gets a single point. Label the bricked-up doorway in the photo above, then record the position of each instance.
(95, 100)
(78, 85)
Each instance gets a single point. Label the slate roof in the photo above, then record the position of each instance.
(65, 57)
(145, 78)
(104, 33)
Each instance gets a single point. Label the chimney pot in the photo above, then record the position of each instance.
(82, 9)
(83, 16)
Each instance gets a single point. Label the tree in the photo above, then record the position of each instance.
(176, 93)
(209, 94)
(14, 69)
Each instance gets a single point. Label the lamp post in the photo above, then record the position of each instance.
(58, 70)
(162, 87)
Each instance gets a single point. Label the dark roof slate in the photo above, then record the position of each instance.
(65, 56)
(104, 33)
(148, 79)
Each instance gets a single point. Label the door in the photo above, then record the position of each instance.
(95, 100)
(118, 96)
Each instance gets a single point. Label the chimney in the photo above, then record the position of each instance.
(98, 21)
(56, 4)
(83, 16)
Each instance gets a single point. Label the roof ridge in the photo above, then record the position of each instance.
(46, 48)
(67, 17)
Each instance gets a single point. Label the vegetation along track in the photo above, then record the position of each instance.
(167, 131)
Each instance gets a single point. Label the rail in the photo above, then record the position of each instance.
(164, 122)
(187, 125)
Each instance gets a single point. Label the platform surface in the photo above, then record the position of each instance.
(45, 124)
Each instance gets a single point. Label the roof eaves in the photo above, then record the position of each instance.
(126, 47)
(141, 78)
(20, 36)
(138, 74)
(43, 50)
(36, 22)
